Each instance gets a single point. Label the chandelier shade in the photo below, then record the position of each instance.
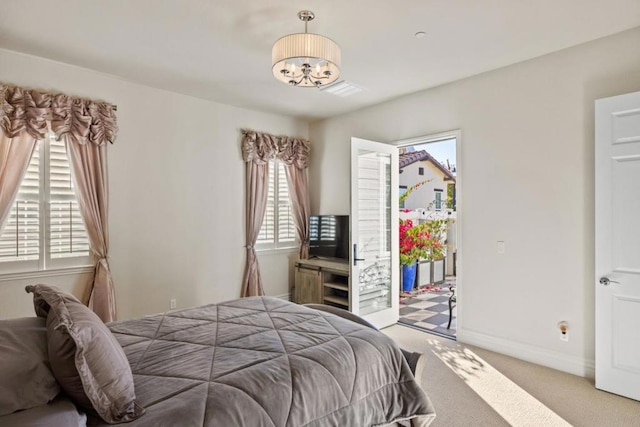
(306, 59)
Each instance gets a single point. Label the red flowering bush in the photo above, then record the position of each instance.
(422, 241)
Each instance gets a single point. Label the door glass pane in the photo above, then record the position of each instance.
(374, 224)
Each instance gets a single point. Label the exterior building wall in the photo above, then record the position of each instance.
(424, 195)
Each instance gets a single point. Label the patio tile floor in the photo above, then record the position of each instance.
(428, 309)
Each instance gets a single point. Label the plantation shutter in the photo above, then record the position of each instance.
(278, 229)
(267, 232)
(68, 236)
(20, 238)
(286, 227)
(375, 216)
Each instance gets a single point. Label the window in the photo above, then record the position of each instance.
(402, 191)
(438, 200)
(451, 196)
(278, 229)
(44, 229)
(420, 171)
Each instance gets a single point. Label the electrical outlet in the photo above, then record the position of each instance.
(564, 330)
(172, 303)
(500, 248)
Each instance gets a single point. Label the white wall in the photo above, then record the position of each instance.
(528, 136)
(176, 195)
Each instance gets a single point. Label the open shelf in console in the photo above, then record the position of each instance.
(322, 281)
(335, 285)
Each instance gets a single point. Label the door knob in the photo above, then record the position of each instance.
(604, 280)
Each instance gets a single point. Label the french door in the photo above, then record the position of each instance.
(374, 232)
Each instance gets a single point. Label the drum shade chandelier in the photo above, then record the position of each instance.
(306, 59)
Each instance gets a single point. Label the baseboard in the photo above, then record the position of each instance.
(540, 356)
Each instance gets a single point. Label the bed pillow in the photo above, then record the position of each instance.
(85, 358)
(26, 380)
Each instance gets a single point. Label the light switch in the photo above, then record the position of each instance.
(500, 247)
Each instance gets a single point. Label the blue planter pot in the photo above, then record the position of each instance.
(408, 277)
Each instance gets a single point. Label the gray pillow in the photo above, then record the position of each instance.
(26, 380)
(85, 357)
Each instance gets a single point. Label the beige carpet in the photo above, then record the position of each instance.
(473, 387)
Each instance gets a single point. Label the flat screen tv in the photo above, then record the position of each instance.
(329, 236)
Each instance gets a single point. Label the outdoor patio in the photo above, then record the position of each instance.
(427, 308)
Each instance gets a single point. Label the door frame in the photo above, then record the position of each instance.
(435, 137)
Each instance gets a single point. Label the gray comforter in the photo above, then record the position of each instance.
(263, 361)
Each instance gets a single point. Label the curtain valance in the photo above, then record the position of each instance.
(79, 120)
(259, 148)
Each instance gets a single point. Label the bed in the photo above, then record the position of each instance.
(260, 361)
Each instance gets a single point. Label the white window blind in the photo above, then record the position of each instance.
(278, 229)
(45, 229)
(374, 205)
(68, 237)
(20, 238)
(268, 230)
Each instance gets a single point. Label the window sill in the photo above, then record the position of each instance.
(68, 271)
(260, 252)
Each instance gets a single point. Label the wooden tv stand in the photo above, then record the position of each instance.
(322, 281)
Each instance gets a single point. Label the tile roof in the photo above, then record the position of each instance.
(407, 159)
(415, 156)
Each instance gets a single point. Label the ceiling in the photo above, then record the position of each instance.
(221, 49)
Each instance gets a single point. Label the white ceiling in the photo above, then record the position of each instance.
(221, 49)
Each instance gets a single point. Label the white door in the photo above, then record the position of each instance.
(375, 289)
(618, 245)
